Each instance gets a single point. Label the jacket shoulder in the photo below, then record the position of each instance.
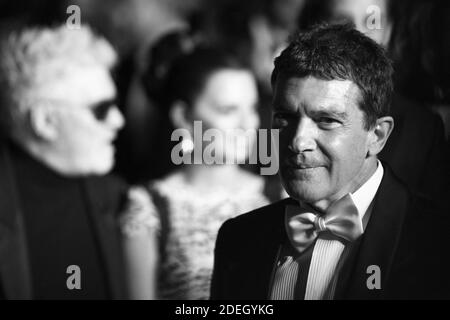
(256, 222)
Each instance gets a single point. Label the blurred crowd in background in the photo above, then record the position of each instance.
(165, 59)
(148, 33)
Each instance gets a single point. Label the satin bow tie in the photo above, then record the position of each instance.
(341, 219)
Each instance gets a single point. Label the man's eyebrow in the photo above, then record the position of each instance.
(329, 112)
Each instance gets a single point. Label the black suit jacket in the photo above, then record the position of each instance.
(103, 196)
(405, 237)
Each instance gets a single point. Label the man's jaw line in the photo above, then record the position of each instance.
(365, 173)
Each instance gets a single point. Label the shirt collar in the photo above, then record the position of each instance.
(362, 198)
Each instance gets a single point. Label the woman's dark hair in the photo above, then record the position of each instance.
(179, 70)
(420, 48)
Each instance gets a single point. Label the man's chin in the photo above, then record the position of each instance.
(304, 192)
(98, 168)
(105, 162)
(103, 168)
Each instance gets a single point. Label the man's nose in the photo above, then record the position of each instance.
(304, 137)
(115, 118)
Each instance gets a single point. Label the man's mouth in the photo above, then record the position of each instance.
(304, 167)
(293, 163)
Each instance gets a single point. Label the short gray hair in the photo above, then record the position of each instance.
(34, 57)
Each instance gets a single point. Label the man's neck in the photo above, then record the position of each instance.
(47, 157)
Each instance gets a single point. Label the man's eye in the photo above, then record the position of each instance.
(327, 122)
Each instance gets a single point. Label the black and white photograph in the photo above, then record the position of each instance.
(224, 155)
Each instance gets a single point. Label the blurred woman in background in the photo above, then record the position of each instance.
(187, 207)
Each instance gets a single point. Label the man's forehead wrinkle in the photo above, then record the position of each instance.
(351, 92)
(338, 97)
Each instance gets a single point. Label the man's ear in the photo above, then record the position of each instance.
(178, 114)
(43, 122)
(379, 135)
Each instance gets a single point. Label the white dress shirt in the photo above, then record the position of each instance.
(325, 264)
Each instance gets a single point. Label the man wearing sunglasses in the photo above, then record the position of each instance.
(59, 120)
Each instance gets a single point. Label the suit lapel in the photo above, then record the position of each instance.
(269, 248)
(105, 226)
(269, 251)
(15, 277)
(378, 244)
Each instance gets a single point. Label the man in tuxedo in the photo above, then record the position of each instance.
(58, 235)
(350, 229)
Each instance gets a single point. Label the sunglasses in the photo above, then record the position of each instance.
(101, 109)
